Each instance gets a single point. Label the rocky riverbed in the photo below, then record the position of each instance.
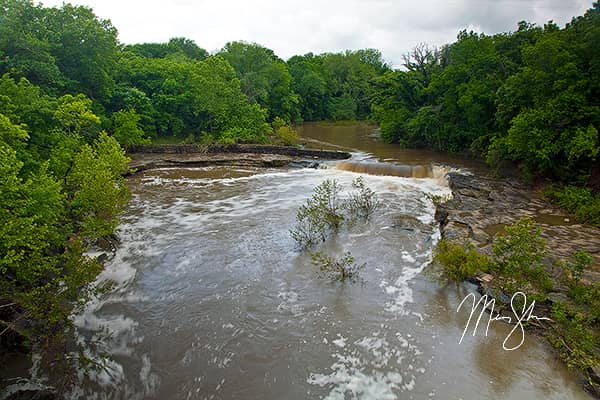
(481, 206)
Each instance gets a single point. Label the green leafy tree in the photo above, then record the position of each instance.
(264, 78)
(99, 191)
(126, 128)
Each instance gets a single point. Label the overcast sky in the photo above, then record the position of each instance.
(292, 27)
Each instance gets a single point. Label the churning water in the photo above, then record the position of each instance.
(211, 299)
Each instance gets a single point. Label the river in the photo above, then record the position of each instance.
(212, 300)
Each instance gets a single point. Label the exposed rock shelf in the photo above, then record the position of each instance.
(157, 156)
(482, 206)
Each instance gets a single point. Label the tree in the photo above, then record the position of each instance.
(99, 191)
(126, 128)
(264, 78)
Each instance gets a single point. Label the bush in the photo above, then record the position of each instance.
(574, 334)
(337, 269)
(518, 259)
(581, 202)
(287, 135)
(320, 213)
(580, 261)
(573, 337)
(460, 262)
(310, 227)
(363, 201)
(323, 212)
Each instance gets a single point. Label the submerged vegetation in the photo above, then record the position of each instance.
(337, 269)
(362, 202)
(323, 214)
(325, 211)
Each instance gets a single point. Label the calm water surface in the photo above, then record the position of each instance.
(212, 300)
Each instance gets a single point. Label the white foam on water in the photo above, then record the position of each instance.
(147, 377)
(364, 370)
(340, 341)
(375, 367)
(362, 367)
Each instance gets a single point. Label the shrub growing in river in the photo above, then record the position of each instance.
(337, 269)
(310, 227)
(363, 202)
(320, 213)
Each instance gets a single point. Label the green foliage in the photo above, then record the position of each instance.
(99, 190)
(337, 269)
(574, 337)
(581, 260)
(582, 202)
(175, 48)
(460, 262)
(325, 211)
(65, 49)
(517, 262)
(326, 199)
(528, 96)
(519, 259)
(202, 98)
(126, 129)
(61, 189)
(362, 202)
(74, 114)
(286, 135)
(336, 86)
(321, 214)
(264, 78)
(342, 108)
(43, 269)
(310, 229)
(577, 319)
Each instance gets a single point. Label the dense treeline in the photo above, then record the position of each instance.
(176, 89)
(531, 96)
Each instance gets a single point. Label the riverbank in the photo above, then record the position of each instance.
(144, 157)
(481, 207)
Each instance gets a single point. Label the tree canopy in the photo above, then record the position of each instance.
(530, 96)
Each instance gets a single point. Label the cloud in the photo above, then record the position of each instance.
(296, 27)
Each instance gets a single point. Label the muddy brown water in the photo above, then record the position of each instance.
(212, 300)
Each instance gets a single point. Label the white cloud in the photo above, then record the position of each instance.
(296, 27)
